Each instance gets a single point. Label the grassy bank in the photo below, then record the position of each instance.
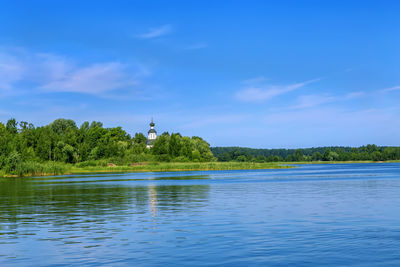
(36, 169)
(56, 168)
(181, 166)
(45, 169)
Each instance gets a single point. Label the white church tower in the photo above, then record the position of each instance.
(152, 135)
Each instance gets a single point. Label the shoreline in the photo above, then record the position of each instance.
(69, 169)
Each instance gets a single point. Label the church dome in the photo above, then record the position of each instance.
(152, 135)
(152, 131)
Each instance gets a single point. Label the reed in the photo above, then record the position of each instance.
(55, 168)
(30, 168)
(179, 166)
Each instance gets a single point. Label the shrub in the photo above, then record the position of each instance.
(89, 163)
(181, 159)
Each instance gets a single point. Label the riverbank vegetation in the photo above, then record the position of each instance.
(62, 147)
(101, 166)
(54, 148)
(370, 153)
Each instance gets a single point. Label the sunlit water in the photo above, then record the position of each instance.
(312, 215)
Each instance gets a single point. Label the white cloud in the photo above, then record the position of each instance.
(263, 93)
(352, 95)
(94, 79)
(395, 88)
(313, 100)
(43, 67)
(55, 73)
(11, 70)
(308, 101)
(156, 32)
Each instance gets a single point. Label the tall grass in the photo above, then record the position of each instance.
(30, 168)
(178, 166)
(55, 168)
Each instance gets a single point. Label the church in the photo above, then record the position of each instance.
(151, 135)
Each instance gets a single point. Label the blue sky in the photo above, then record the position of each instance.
(265, 74)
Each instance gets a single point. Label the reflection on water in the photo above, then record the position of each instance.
(26, 201)
(311, 215)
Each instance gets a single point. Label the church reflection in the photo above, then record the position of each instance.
(175, 198)
(153, 200)
(60, 202)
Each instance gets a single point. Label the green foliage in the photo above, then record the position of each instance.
(175, 147)
(11, 126)
(363, 153)
(61, 126)
(29, 150)
(26, 149)
(12, 162)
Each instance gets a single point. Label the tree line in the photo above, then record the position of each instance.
(63, 141)
(336, 153)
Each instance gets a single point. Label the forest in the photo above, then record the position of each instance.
(336, 153)
(54, 148)
(22, 145)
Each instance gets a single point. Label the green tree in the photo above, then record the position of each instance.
(161, 147)
(175, 145)
(11, 126)
(59, 126)
(316, 156)
(298, 155)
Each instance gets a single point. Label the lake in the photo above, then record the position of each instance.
(342, 214)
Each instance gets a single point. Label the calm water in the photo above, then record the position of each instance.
(312, 215)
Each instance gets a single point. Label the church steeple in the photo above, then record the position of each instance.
(152, 134)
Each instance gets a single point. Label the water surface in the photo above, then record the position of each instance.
(343, 214)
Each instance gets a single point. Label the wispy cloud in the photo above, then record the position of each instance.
(352, 95)
(156, 32)
(308, 101)
(11, 70)
(313, 100)
(42, 72)
(395, 88)
(196, 46)
(94, 79)
(263, 93)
